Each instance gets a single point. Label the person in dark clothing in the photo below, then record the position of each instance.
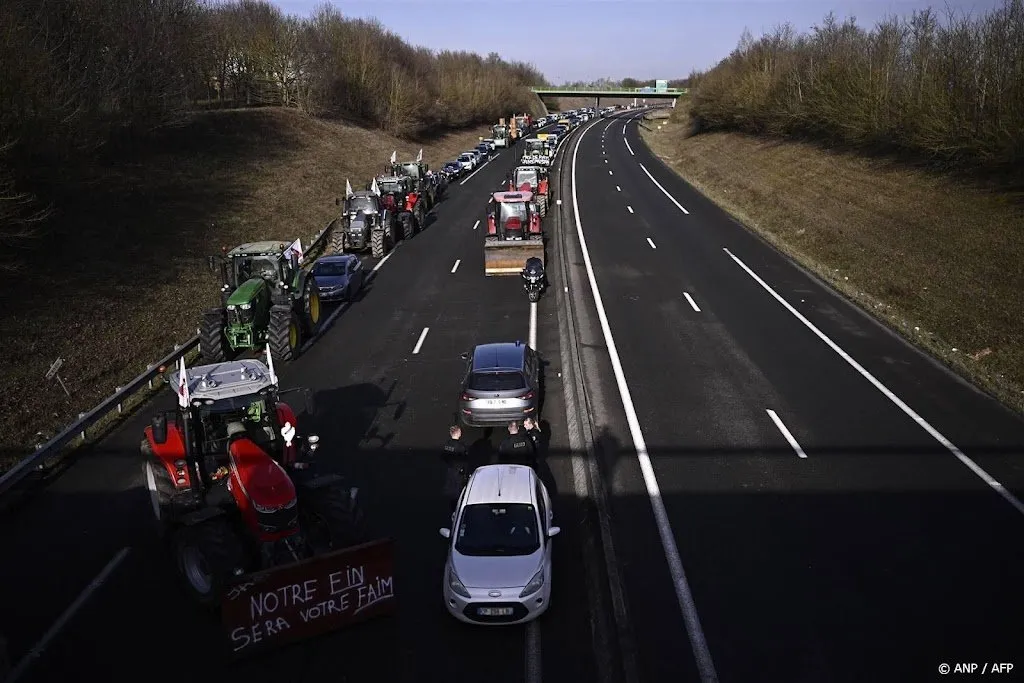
(517, 448)
(532, 429)
(456, 457)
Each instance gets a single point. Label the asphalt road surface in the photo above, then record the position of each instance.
(784, 491)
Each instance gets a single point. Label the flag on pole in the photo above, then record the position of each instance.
(270, 365)
(419, 157)
(374, 188)
(348, 188)
(394, 156)
(184, 397)
(294, 248)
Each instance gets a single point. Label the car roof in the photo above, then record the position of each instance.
(502, 355)
(501, 484)
(337, 258)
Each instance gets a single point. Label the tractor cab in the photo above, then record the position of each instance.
(536, 146)
(515, 217)
(365, 202)
(270, 262)
(529, 179)
(393, 191)
(417, 170)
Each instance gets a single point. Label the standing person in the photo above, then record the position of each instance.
(456, 457)
(532, 428)
(518, 448)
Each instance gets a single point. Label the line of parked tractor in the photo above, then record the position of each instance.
(232, 478)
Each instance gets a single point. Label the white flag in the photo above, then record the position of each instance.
(183, 393)
(374, 188)
(419, 157)
(394, 156)
(294, 248)
(270, 366)
(348, 188)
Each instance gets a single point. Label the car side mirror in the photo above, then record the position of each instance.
(447, 533)
(160, 428)
(554, 531)
(464, 355)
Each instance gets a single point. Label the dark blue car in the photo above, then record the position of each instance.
(339, 277)
(453, 169)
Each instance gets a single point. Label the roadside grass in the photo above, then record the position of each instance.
(124, 276)
(937, 258)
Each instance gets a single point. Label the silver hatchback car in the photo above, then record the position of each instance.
(501, 384)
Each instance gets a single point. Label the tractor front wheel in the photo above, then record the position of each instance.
(284, 333)
(207, 555)
(213, 343)
(311, 306)
(332, 518)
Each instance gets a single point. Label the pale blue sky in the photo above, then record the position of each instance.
(591, 39)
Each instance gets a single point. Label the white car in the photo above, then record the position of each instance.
(490, 143)
(477, 157)
(498, 570)
(467, 160)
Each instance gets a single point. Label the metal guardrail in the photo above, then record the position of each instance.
(79, 429)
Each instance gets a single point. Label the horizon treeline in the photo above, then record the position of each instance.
(77, 74)
(947, 89)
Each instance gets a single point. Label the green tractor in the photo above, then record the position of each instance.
(266, 298)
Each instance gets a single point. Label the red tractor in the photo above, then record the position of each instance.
(397, 194)
(514, 233)
(532, 178)
(234, 488)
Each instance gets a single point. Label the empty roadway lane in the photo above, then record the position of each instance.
(797, 494)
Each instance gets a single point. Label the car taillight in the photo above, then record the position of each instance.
(527, 396)
(465, 397)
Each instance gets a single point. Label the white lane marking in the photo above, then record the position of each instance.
(383, 261)
(64, 618)
(533, 325)
(624, 128)
(910, 412)
(786, 433)
(663, 190)
(694, 631)
(419, 343)
(476, 171)
(618, 189)
(692, 302)
(609, 173)
(476, 225)
(651, 242)
(628, 147)
(630, 208)
(606, 161)
(456, 266)
(533, 668)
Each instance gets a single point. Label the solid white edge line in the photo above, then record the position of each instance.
(533, 325)
(383, 261)
(693, 303)
(456, 266)
(630, 208)
(786, 433)
(533, 667)
(910, 412)
(664, 191)
(476, 225)
(419, 343)
(628, 147)
(66, 617)
(695, 632)
(651, 242)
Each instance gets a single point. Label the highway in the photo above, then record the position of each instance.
(785, 490)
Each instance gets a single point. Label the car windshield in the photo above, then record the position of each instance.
(466, 157)
(500, 380)
(513, 210)
(248, 267)
(490, 529)
(327, 268)
(360, 204)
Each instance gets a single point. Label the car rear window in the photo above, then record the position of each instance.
(496, 381)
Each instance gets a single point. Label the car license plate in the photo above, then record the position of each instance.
(494, 611)
(495, 401)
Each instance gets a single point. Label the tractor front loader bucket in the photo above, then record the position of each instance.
(508, 257)
(302, 600)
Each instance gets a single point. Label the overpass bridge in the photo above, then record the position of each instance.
(621, 93)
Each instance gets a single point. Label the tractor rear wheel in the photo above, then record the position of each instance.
(408, 229)
(542, 203)
(207, 555)
(332, 518)
(421, 218)
(284, 332)
(161, 488)
(212, 340)
(310, 306)
(377, 246)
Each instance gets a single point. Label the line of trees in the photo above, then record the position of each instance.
(75, 73)
(947, 89)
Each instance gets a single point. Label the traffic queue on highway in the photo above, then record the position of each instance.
(233, 476)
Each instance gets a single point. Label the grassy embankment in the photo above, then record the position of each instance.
(119, 205)
(902, 193)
